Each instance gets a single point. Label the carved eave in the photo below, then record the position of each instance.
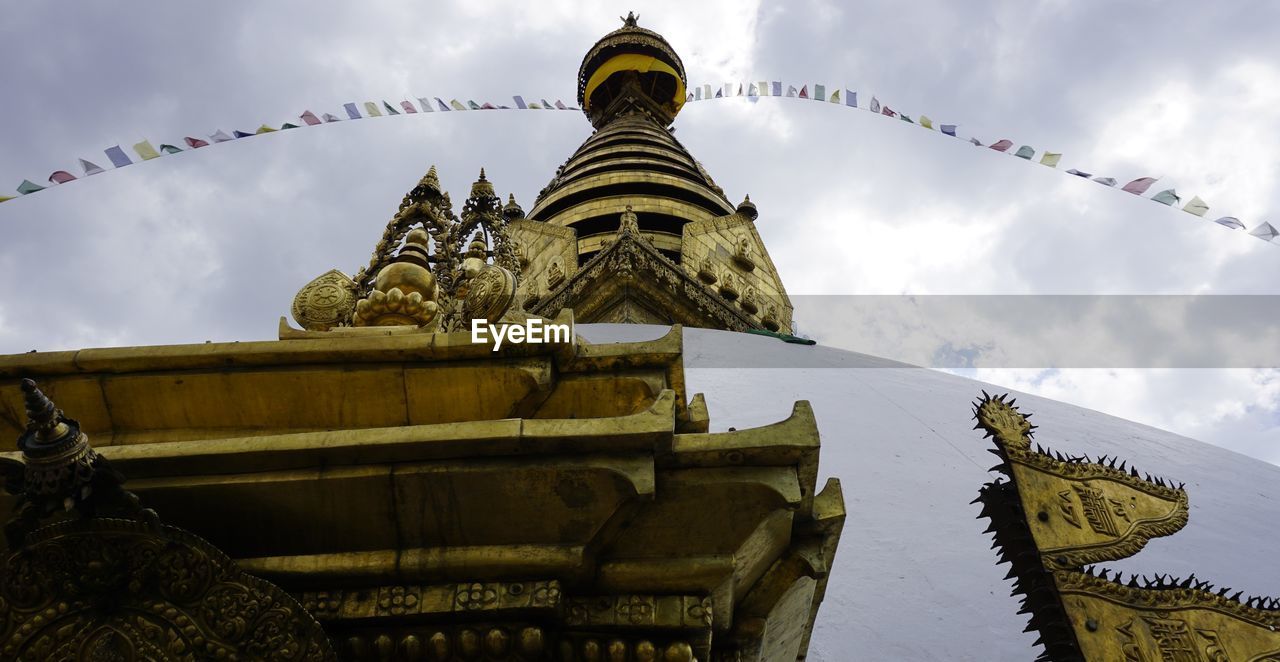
(1057, 514)
(632, 271)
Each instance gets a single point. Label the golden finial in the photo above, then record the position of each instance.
(43, 416)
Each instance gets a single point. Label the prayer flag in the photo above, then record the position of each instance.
(425, 104)
(390, 109)
(546, 105)
(1105, 181)
(560, 105)
(719, 94)
(698, 94)
(328, 117)
(170, 149)
(875, 105)
(441, 104)
(6, 198)
(89, 168)
(1139, 185)
(777, 88)
(220, 137)
(739, 89)
(1196, 206)
(835, 97)
(804, 92)
(310, 118)
(473, 105)
(706, 91)
(264, 129)
(488, 106)
(763, 88)
(61, 177)
(850, 98)
(949, 129)
(904, 118)
(1079, 173)
(690, 98)
(1001, 145)
(975, 142)
(1264, 232)
(288, 125)
(27, 187)
(371, 109)
(1166, 197)
(1050, 159)
(145, 150)
(1025, 152)
(819, 92)
(751, 90)
(791, 90)
(534, 105)
(457, 105)
(519, 102)
(241, 134)
(352, 113)
(888, 111)
(408, 107)
(926, 122)
(1230, 222)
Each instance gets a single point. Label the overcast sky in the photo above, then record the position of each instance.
(213, 245)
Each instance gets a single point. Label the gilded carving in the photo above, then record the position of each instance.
(1059, 514)
(474, 596)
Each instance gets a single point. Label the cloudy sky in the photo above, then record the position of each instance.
(212, 245)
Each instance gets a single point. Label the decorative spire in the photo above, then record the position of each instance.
(43, 417)
(747, 208)
(631, 20)
(482, 188)
(512, 210)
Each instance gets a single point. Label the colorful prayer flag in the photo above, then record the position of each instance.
(61, 177)
(441, 104)
(1105, 181)
(352, 113)
(310, 118)
(791, 90)
(804, 92)
(835, 97)
(1001, 145)
(1025, 152)
(425, 104)
(1079, 173)
(390, 110)
(408, 107)
(1196, 206)
(875, 105)
(888, 111)
(1050, 159)
(288, 125)
(457, 105)
(1139, 185)
(763, 88)
(170, 149)
(264, 129)
(546, 105)
(90, 168)
(949, 129)
(819, 92)
(850, 98)
(1230, 222)
(690, 98)
(520, 102)
(904, 118)
(926, 122)
(117, 156)
(28, 187)
(560, 105)
(146, 151)
(220, 137)
(739, 89)
(777, 88)
(241, 134)
(473, 105)
(6, 198)
(719, 94)
(329, 117)
(371, 109)
(1166, 197)
(975, 142)
(751, 90)
(706, 91)
(1265, 232)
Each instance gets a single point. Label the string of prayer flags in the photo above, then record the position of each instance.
(28, 187)
(1050, 159)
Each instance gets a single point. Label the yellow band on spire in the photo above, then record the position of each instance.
(632, 62)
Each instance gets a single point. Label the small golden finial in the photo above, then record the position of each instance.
(42, 415)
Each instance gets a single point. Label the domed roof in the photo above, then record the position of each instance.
(631, 48)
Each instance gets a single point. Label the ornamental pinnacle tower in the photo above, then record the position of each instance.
(632, 228)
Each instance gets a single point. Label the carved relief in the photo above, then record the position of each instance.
(324, 302)
(749, 302)
(707, 271)
(728, 286)
(742, 254)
